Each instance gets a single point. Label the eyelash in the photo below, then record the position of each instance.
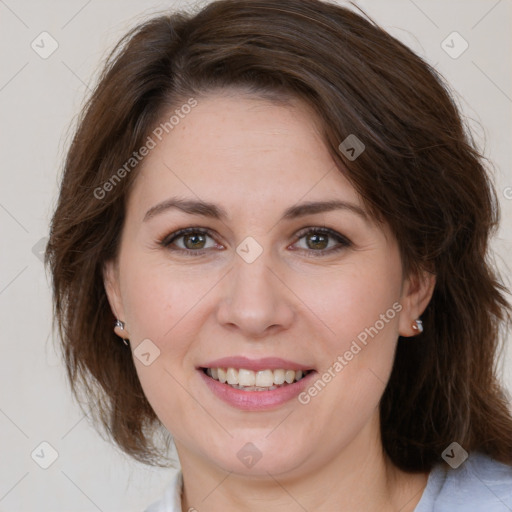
(342, 241)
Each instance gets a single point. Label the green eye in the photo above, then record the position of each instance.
(316, 240)
(312, 241)
(194, 241)
(189, 240)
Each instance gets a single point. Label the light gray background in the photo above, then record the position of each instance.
(39, 98)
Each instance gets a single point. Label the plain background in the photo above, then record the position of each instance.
(39, 99)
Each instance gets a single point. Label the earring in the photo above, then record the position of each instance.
(121, 326)
(417, 326)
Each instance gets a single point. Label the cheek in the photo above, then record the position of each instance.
(159, 299)
(352, 299)
(162, 306)
(358, 308)
(359, 313)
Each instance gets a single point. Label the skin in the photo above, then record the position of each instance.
(255, 158)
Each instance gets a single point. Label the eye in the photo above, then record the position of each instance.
(189, 240)
(322, 240)
(313, 240)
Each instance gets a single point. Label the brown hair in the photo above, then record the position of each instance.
(420, 173)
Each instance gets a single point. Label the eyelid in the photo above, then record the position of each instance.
(325, 231)
(342, 240)
(171, 237)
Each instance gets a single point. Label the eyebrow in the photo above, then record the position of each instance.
(214, 211)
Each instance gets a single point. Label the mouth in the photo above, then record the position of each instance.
(255, 385)
(249, 380)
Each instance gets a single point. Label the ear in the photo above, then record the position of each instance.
(113, 291)
(417, 291)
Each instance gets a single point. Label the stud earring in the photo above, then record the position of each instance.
(121, 326)
(417, 326)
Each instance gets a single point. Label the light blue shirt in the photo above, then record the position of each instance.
(480, 484)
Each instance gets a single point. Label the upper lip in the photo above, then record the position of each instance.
(266, 363)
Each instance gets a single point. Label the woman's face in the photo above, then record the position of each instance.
(281, 270)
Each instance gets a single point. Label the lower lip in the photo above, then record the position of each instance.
(256, 400)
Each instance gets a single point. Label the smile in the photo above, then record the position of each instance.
(255, 384)
(250, 380)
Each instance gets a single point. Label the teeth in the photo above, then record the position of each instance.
(265, 378)
(221, 375)
(232, 376)
(249, 380)
(279, 376)
(289, 376)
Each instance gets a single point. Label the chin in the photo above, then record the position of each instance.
(259, 458)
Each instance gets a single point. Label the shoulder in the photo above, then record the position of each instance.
(171, 499)
(479, 483)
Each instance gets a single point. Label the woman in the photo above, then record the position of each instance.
(271, 240)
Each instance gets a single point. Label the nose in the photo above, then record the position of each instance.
(256, 301)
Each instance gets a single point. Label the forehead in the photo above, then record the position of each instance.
(241, 149)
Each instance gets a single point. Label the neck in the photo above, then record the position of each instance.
(360, 477)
